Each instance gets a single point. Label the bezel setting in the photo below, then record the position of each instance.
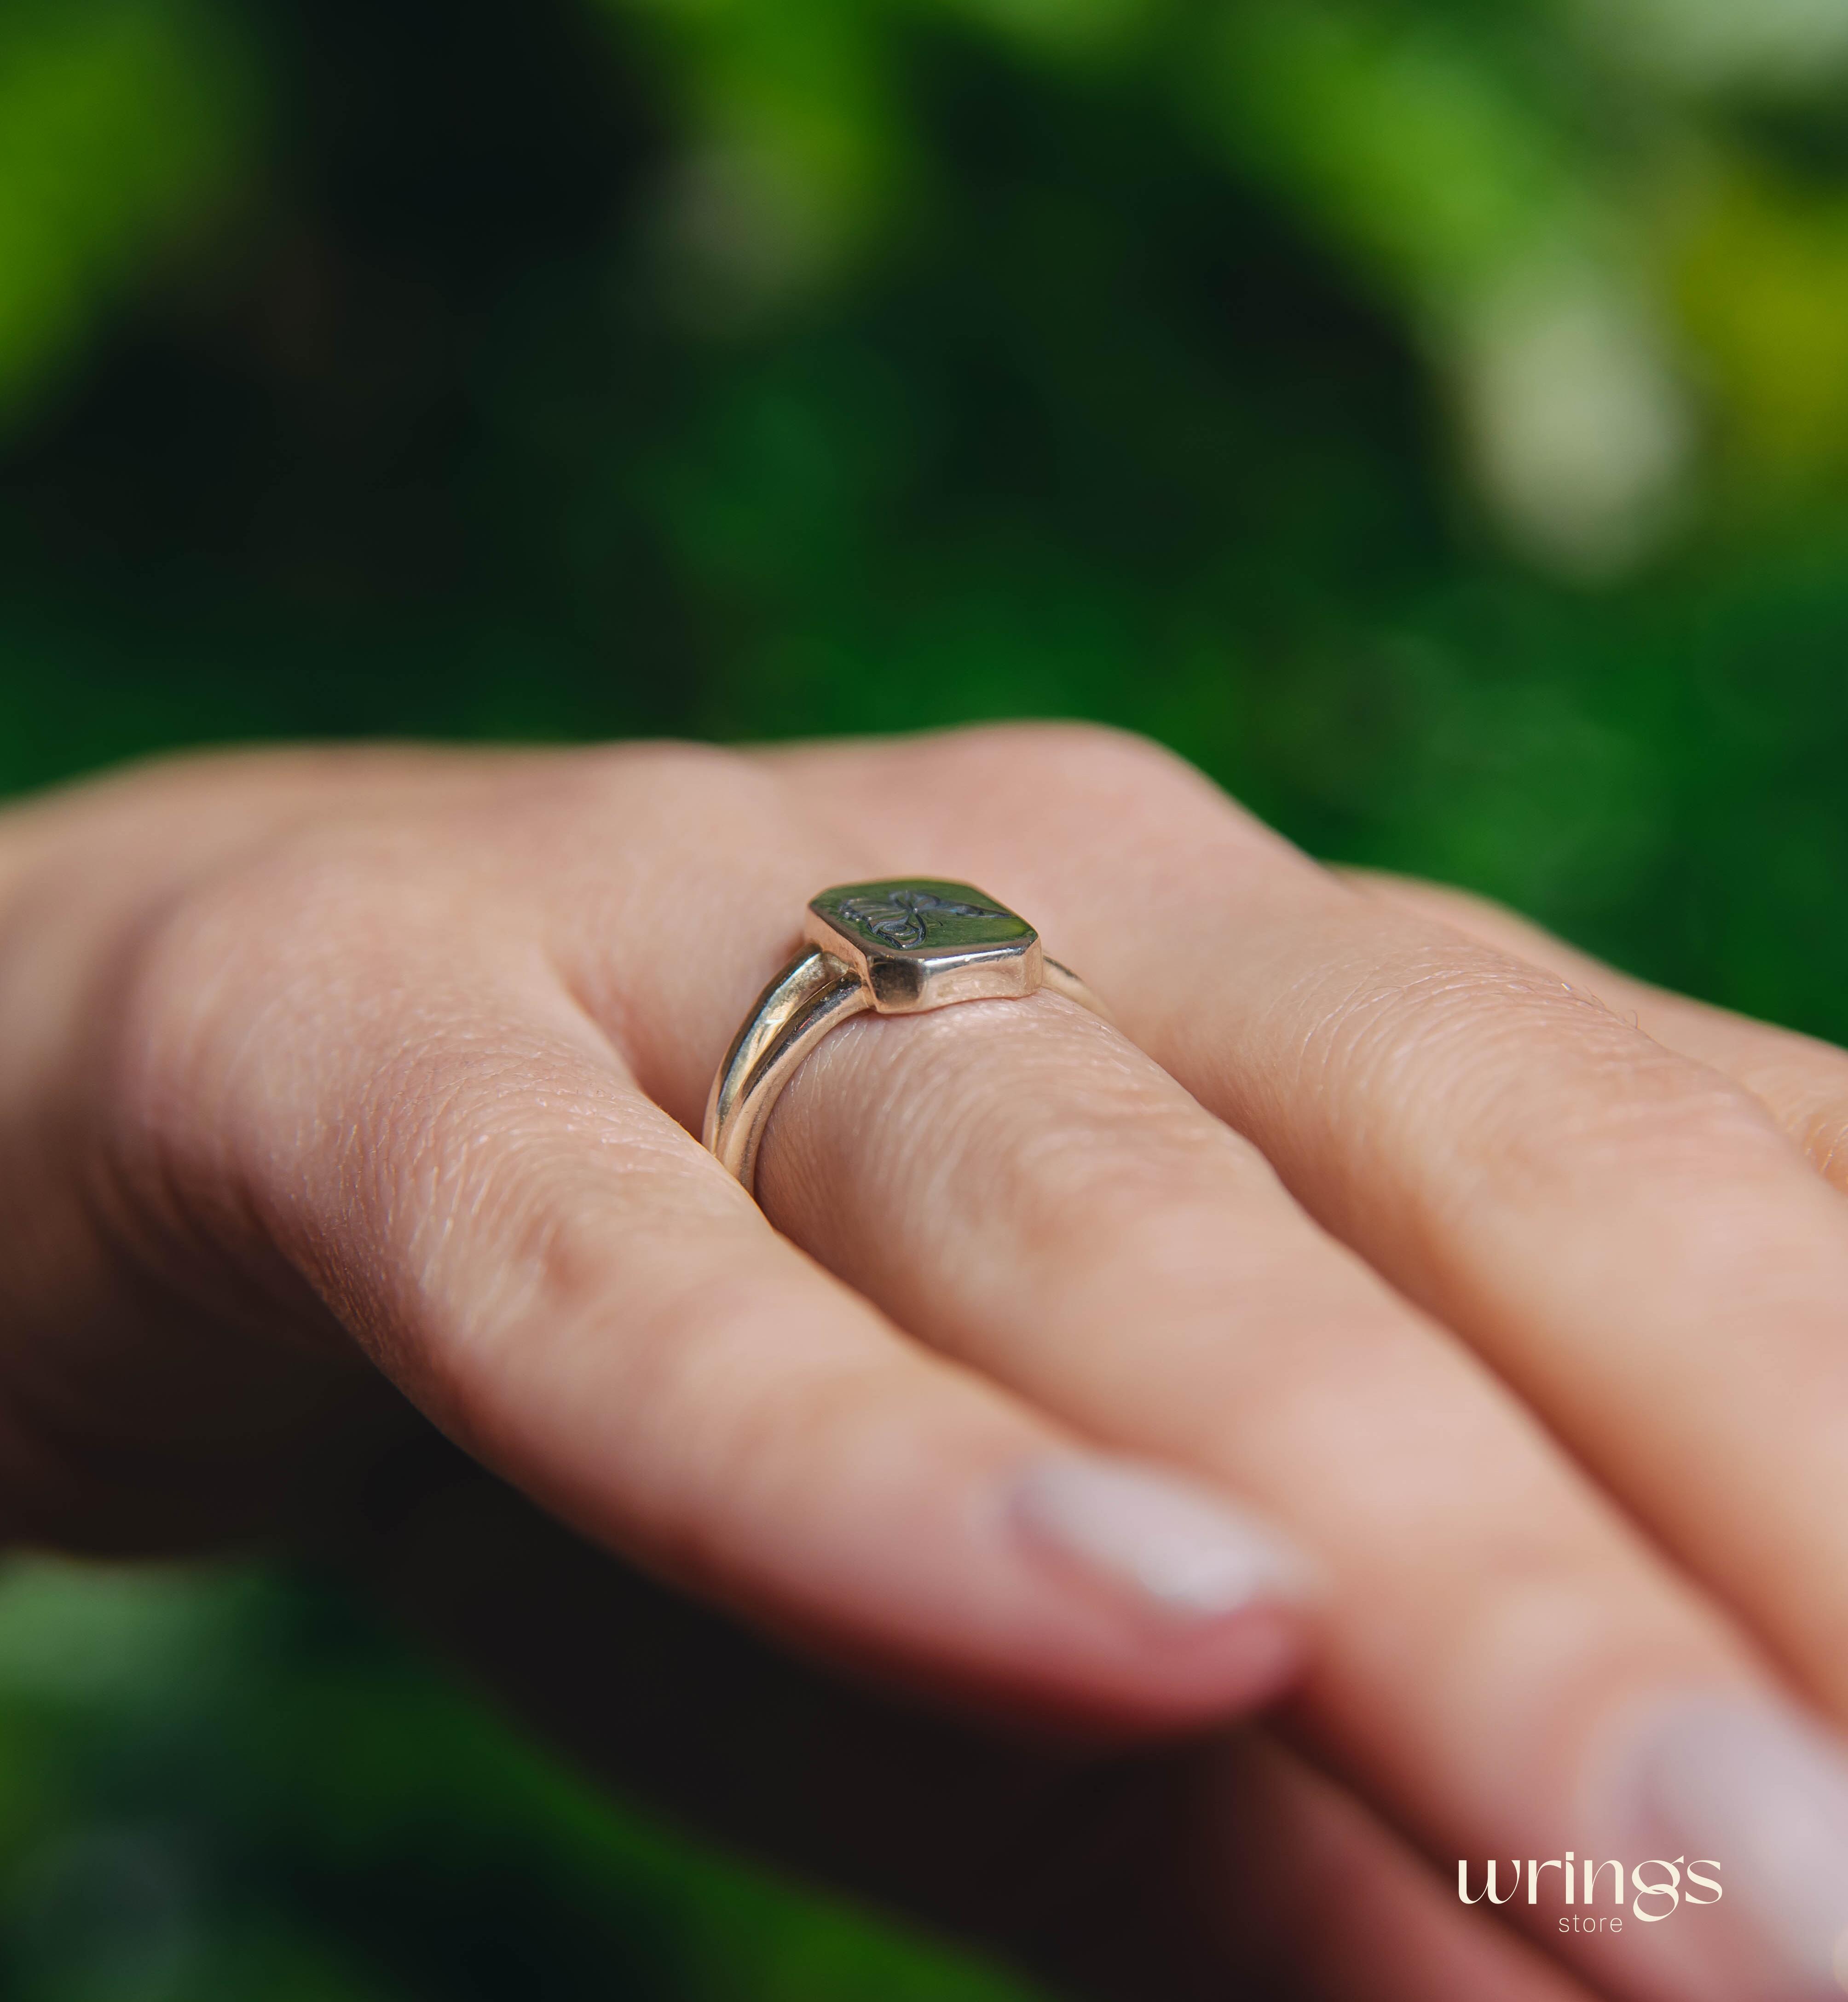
(921, 942)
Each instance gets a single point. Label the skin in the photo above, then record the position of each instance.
(343, 1093)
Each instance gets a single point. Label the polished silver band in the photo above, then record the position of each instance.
(900, 947)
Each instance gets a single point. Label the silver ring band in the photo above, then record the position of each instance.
(898, 947)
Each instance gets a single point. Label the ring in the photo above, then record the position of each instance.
(899, 948)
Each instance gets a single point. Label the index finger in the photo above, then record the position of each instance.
(403, 1106)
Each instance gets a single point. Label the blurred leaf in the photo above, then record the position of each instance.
(123, 124)
(1763, 273)
(1405, 134)
(312, 1817)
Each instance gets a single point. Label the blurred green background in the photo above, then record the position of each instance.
(1430, 416)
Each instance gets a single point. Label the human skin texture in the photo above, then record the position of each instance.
(1382, 1318)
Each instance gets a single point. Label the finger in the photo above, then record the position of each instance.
(1202, 1871)
(1328, 1902)
(1020, 1187)
(1619, 1229)
(572, 1288)
(1802, 1081)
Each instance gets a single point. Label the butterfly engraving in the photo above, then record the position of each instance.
(902, 918)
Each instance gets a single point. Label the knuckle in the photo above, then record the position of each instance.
(464, 1144)
(1132, 1182)
(727, 1399)
(1619, 1101)
(758, 1452)
(232, 944)
(1531, 1079)
(226, 1011)
(647, 786)
(1090, 762)
(1099, 1184)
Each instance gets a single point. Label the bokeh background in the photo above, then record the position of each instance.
(1431, 416)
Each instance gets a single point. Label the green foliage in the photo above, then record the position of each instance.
(212, 1786)
(122, 127)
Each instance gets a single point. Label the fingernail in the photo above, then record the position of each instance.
(1764, 1794)
(1172, 1542)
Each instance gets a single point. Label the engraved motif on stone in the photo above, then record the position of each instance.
(902, 918)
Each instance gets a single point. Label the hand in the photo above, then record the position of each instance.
(1466, 1282)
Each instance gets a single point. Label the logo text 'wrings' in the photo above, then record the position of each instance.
(1656, 1889)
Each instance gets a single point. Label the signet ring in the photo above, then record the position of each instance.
(898, 947)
